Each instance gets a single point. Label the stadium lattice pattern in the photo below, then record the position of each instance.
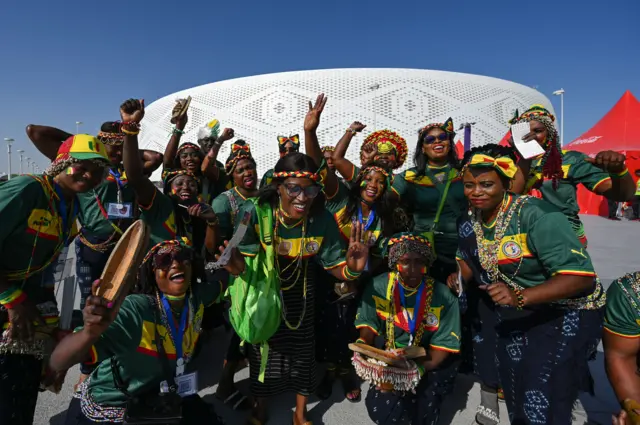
(262, 107)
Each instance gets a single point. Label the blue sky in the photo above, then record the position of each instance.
(74, 63)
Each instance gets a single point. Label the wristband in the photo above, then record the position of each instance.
(214, 222)
(12, 297)
(620, 174)
(352, 131)
(130, 124)
(360, 341)
(177, 131)
(350, 275)
(130, 133)
(520, 303)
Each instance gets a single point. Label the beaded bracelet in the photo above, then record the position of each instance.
(130, 133)
(177, 131)
(520, 303)
(620, 174)
(130, 124)
(214, 222)
(12, 297)
(352, 131)
(360, 341)
(350, 275)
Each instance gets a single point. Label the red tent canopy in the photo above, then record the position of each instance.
(618, 130)
(505, 139)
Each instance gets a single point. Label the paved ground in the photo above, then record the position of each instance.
(612, 246)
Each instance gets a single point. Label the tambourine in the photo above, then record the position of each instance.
(385, 369)
(123, 263)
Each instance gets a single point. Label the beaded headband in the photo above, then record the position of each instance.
(401, 245)
(162, 247)
(446, 126)
(169, 175)
(387, 136)
(366, 170)
(189, 145)
(111, 139)
(409, 237)
(297, 174)
(328, 149)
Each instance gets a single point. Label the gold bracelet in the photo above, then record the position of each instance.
(130, 133)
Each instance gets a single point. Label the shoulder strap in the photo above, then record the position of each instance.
(233, 204)
(265, 221)
(443, 199)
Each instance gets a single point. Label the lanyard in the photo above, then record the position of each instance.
(411, 319)
(116, 175)
(372, 216)
(64, 214)
(177, 334)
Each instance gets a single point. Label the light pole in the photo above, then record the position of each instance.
(20, 152)
(78, 124)
(374, 87)
(9, 142)
(28, 164)
(561, 94)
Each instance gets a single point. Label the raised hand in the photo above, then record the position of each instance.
(179, 121)
(98, 312)
(610, 161)
(369, 153)
(236, 265)
(132, 110)
(202, 211)
(358, 252)
(312, 120)
(357, 126)
(227, 134)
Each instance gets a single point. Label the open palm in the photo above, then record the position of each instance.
(312, 120)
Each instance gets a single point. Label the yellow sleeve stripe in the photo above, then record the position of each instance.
(326, 195)
(368, 327)
(248, 254)
(94, 356)
(450, 350)
(621, 335)
(575, 272)
(394, 190)
(340, 264)
(595, 186)
(353, 173)
(146, 207)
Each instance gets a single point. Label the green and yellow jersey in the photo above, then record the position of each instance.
(321, 239)
(622, 312)
(576, 170)
(131, 339)
(423, 195)
(266, 178)
(441, 323)
(33, 232)
(227, 206)
(160, 217)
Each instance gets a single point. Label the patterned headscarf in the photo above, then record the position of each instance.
(552, 159)
(503, 165)
(189, 146)
(328, 149)
(369, 168)
(163, 247)
(385, 141)
(81, 147)
(169, 175)
(238, 152)
(403, 243)
(446, 126)
(315, 177)
(283, 140)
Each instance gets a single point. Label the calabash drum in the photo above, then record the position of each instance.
(385, 369)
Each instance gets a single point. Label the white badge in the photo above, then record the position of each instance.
(180, 367)
(187, 384)
(123, 210)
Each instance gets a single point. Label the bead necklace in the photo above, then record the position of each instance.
(488, 250)
(394, 281)
(165, 321)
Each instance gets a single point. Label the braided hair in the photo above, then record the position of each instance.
(383, 205)
(420, 159)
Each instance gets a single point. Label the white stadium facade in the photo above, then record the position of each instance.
(262, 107)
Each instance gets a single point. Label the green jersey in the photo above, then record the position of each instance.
(576, 170)
(33, 232)
(160, 217)
(337, 205)
(226, 206)
(131, 339)
(266, 179)
(423, 195)
(94, 206)
(622, 312)
(440, 322)
(321, 239)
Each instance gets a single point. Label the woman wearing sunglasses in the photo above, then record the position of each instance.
(305, 237)
(286, 145)
(192, 158)
(434, 195)
(142, 346)
(366, 204)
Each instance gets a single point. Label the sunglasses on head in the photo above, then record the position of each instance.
(294, 190)
(441, 137)
(165, 260)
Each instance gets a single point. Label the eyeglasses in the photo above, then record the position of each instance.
(294, 190)
(165, 260)
(441, 137)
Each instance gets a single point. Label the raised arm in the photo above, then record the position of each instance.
(621, 186)
(47, 139)
(312, 147)
(209, 168)
(171, 150)
(342, 164)
(151, 161)
(132, 112)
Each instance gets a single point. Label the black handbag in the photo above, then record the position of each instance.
(154, 408)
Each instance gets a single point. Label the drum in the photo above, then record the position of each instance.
(385, 369)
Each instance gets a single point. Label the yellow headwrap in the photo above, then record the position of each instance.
(503, 165)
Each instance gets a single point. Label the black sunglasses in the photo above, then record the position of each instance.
(165, 260)
(431, 139)
(294, 190)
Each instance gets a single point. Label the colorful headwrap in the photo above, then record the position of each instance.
(188, 146)
(283, 140)
(552, 160)
(169, 175)
(297, 174)
(238, 152)
(162, 247)
(78, 148)
(111, 138)
(369, 168)
(403, 243)
(503, 165)
(385, 141)
(446, 126)
(328, 149)
(209, 131)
